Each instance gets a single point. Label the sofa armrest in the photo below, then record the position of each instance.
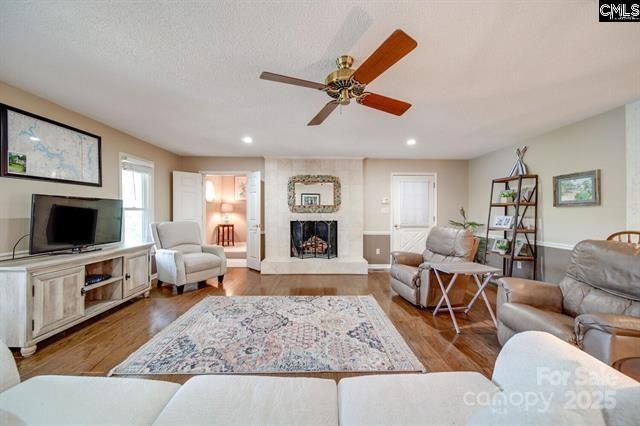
(406, 258)
(539, 294)
(215, 249)
(170, 266)
(619, 325)
(8, 371)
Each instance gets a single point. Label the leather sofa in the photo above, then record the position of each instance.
(412, 278)
(181, 257)
(596, 306)
(525, 389)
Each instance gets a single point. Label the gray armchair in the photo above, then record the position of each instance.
(181, 257)
(412, 278)
(596, 306)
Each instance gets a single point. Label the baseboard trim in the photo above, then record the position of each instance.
(379, 266)
(236, 263)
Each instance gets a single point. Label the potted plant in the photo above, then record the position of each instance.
(502, 246)
(507, 196)
(473, 227)
(466, 224)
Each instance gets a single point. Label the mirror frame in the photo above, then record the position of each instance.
(311, 179)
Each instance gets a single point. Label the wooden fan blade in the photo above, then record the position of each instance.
(390, 105)
(291, 80)
(324, 113)
(391, 51)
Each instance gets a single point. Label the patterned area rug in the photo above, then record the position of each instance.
(275, 334)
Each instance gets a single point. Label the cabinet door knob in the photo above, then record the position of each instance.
(127, 276)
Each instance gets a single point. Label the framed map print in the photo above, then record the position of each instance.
(35, 147)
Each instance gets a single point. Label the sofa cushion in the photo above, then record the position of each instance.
(85, 400)
(520, 317)
(235, 400)
(412, 399)
(565, 376)
(450, 241)
(183, 236)
(406, 274)
(196, 262)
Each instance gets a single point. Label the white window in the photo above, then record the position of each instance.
(136, 190)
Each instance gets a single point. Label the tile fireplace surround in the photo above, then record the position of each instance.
(350, 217)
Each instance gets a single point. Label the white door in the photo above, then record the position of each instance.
(254, 225)
(413, 211)
(187, 198)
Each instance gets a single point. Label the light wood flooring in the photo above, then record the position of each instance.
(96, 346)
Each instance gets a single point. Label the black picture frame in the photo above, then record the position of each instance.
(4, 148)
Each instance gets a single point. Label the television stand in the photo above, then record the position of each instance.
(79, 250)
(43, 296)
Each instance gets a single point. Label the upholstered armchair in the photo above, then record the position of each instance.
(596, 306)
(412, 278)
(181, 257)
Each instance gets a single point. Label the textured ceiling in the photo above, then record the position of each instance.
(184, 75)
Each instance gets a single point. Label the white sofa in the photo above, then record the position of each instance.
(538, 379)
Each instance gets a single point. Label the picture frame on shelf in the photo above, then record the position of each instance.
(518, 246)
(503, 222)
(500, 245)
(525, 193)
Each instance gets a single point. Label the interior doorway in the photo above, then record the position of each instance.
(225, 215)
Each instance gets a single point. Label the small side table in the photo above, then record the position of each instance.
(464, 268)
(225, 235)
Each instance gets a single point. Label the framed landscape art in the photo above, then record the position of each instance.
(577, 189)
(34, 147)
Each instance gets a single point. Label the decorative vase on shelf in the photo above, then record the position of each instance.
(506, 199)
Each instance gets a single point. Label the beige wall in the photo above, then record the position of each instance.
(452, 188)
(16, 193)
(222, 164)
(594, 143)
(224, 186)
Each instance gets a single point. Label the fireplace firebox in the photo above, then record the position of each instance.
(314, 238)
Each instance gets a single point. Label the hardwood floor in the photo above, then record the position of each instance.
(94, 347)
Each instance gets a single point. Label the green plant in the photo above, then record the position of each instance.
(466, 224)
(507, 193)
(502, 245)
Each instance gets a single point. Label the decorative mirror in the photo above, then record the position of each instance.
(314, 194)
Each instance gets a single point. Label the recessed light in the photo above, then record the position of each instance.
(33, 138)
(411, 142)
(247, 139)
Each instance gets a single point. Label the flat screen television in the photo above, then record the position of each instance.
(71, 223)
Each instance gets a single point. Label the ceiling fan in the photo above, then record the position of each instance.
(346, 83)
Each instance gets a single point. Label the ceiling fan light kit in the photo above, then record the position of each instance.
(345, 83)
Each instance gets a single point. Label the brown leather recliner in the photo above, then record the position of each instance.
(412, 278)
(596, 306)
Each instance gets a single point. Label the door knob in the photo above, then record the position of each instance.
(127, 276)
(396, 226)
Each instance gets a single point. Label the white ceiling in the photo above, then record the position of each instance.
(184, 75)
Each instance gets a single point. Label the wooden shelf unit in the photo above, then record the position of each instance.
(43, 295)
(519, 208)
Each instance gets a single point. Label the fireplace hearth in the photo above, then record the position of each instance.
(314, 238)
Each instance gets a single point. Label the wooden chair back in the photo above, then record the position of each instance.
(632, 237)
